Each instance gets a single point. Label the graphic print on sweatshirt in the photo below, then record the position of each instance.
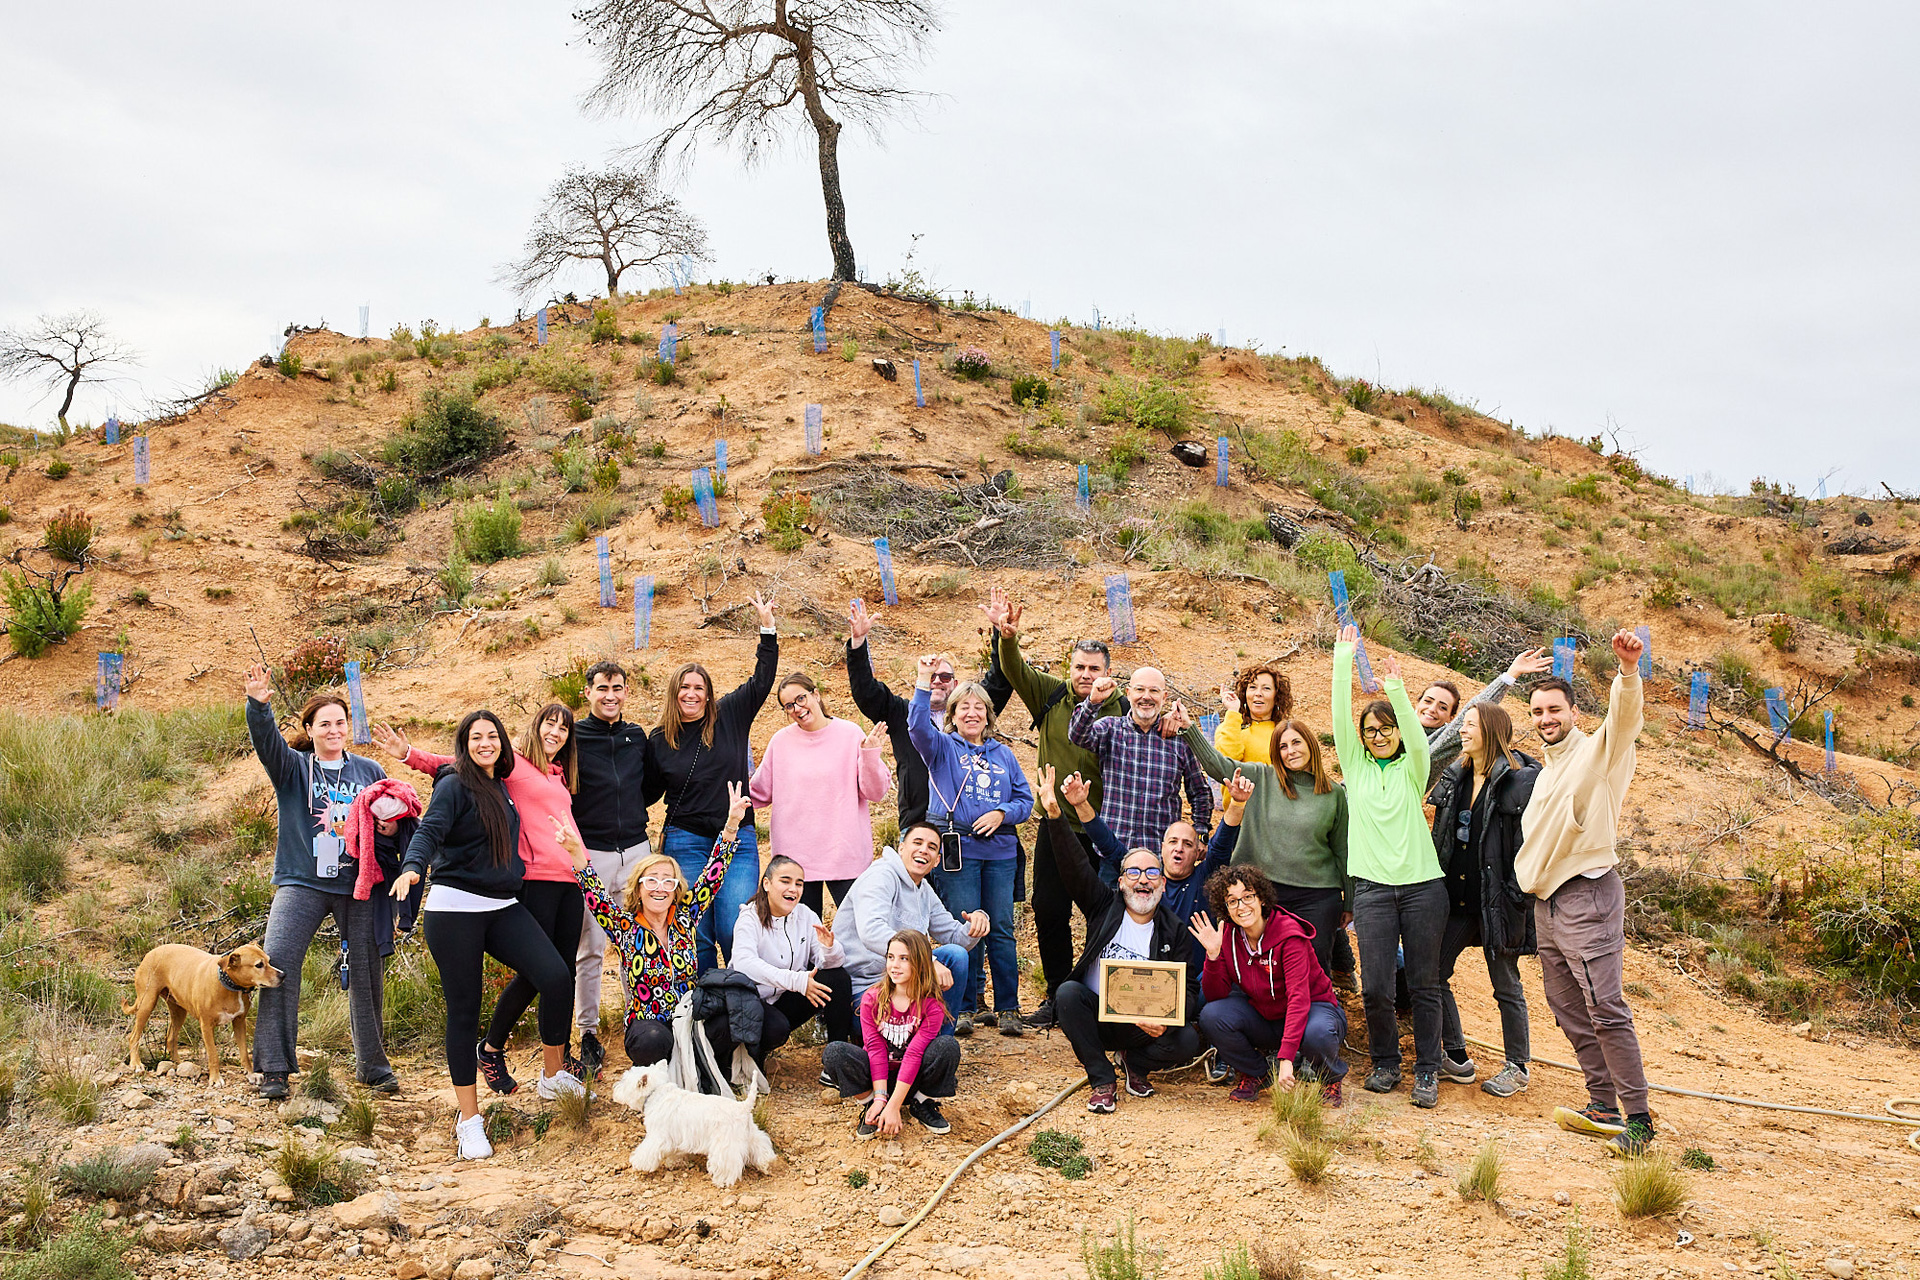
(897, 1028)
(983, 779)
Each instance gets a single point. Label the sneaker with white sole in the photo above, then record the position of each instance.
(1457, 1070)
(1511, 1080)
(551, 1087)
(471, 1135)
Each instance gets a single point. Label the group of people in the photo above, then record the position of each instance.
(537, 852)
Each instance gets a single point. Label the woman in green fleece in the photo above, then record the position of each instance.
(1399, 894)
(1294, 829)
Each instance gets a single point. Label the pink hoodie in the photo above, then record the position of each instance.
(362, 826)
(536, 794)
(819, 785)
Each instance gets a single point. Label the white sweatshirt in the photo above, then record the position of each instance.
(779, 956)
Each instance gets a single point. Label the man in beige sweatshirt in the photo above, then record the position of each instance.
(1566, 861)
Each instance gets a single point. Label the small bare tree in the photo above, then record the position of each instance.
(615, 217)
(744, 71)
(71, 348)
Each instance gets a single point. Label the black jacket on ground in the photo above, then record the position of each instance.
(1106, 907)
(452, 841)
(1480, 879)
(618, 780)
(732, 996)
(694, 778)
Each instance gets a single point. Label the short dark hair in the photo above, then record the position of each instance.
(1382, 711)
(1453, 690)
(1093, 646)
(1248, 877)
(915, 826)
(605, 668)
(1549, 684)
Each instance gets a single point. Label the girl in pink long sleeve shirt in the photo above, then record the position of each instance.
(818, 777)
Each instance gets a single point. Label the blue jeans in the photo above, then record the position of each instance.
(1245, 1040)
(743, 880)
(986, 884)
(959, 962)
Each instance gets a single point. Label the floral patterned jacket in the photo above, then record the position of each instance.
(658, 973)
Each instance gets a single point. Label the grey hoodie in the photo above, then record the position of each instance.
(883, 901)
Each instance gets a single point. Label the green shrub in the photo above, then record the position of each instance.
(490, 531)
(663, 373)
(1205, 525)
(456, 577)
(1422, 489)
(59, 469)
(69, 534)
(1577, 1264)
(607, 474)
(397, 494)
(85, 1251)
(606, 326)
(1126, 451)
(1665, 593)
(1361, 394)
(1586, 489)
(290, 364)
(1326, 552)
(314, 663)
(38, 617)
(849, 350)
(579, 408)
(570, 685)
(112, 1173)
(552, 573)
(1119, 1258)
(448, 434)
(601, 512)
(1454, 476)
(1153, 405)
(1054, 1149)
(1357, 455)
(1030, 392)
(785, 512)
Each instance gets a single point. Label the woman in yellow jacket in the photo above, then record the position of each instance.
(1260, 700)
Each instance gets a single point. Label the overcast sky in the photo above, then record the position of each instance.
(1690, 222)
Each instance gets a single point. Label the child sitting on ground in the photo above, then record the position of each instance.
(905, 1059)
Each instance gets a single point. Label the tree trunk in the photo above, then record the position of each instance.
(613, 278)
(828, 131)
(73, 385)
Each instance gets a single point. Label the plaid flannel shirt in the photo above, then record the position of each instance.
(1142, 773)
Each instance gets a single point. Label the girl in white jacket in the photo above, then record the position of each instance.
(793, 958)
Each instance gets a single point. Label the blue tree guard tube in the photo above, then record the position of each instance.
(141, 470)
(1343, 614)
(919, 396)
(106, 687)
(642, 610)
(1563, 651)
(364, 309)
(1096, 319)
(113, 430)
(669, 343)
(1220, 466)
(1646, 651)
(1777, 712)
(1208, 723)
(1084, 499)
(884, 551)
(1830, 759)
(605, 557)
(1054, 335)
(703, 497)
(815, 446)
(1120, 608)
(357, 705)
(1689, 484)
(1697, 700)
(540, 327)
(819, 329)
(720, 457)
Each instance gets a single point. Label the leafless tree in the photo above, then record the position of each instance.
(745, 71)
(615, 217)
(71, 348)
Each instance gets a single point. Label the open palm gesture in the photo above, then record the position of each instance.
(1206, 933)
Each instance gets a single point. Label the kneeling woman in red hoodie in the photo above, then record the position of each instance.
(1265, 991)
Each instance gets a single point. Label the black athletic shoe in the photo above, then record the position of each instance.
(273, 1084)
(927, 1112)
(576, 1068)
(592, 1055)
(388, 1084)
(865, 1131)
(1043, 1017)
(493, 1066)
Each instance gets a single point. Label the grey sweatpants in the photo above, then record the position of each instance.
(1582, 930)
(291, 923)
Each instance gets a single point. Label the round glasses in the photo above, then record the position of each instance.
(1140, 873)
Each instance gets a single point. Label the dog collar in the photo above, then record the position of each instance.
(229, 983)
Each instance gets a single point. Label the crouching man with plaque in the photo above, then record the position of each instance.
(1132, 989)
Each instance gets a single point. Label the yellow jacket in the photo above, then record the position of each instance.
(1253, 743)
(1573, 819)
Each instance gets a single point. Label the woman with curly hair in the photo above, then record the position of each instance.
(1265, 992)
(1260, 701)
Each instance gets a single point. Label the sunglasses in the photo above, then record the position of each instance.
(942, 677)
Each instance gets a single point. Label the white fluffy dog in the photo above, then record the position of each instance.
(681, 1122)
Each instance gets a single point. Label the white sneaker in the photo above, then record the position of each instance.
(471, 1134)
(563, 1082)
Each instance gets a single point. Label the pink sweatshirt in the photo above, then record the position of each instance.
(819, 785)
(891, 1035)
(536, 795)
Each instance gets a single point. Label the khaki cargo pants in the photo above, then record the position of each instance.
(1582, 930)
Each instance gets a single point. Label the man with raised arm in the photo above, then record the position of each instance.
(1144, 769)
(1051, 702)
(1566, 861)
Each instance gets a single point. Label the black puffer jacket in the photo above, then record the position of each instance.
(1480, 879)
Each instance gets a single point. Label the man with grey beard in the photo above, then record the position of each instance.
(1127, 922)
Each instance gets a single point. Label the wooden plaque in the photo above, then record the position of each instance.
(1149, 991)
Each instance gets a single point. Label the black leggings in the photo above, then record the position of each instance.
(811, 893)
(459, 940)
(557, 907)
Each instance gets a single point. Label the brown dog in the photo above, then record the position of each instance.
(214, 989)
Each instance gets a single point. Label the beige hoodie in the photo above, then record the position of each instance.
(1573, 819)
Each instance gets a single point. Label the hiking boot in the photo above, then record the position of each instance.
(1101, 1101)
(1511, 1080)
(1248, 1090)
(865, 1129)
(1633, 1140)
(927, 1112)
(1593, 1120)
(963, 1025)
(1137, 1083)
(551, 1087)
(470, 1135)
(1010, 1024)
(1330, 1093)
(1042, 1018)
(593, 1054)
(388, 1083)
(493, 1065)
(1346, 980)
(1458, 1070)
(273, 1084)
(1426, 1088)
(1383, 1080)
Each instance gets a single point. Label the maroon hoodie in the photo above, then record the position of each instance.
(1280, 977)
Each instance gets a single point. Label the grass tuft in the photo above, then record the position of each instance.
(1481, 1181)
(1649, 1187)
(1695, 1158)
(357, 1118)
(111, 1173)
(85, 1251)
(318, 1081)
(1120, 1258)
(1302, 1108)
(575, 1111)
(314, 1174)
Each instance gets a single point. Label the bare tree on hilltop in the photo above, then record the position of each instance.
(615, 217)
(744, 71)
(74, 348)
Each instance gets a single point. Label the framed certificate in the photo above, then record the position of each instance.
(1150, 991)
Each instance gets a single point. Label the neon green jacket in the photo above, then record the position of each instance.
(1387, 837)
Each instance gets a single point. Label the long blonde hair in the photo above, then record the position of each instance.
(924, 984)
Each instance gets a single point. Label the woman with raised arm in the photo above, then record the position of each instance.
(656, 942)
(315, 780)
(699, 746)
(819, 774)
(1260, 701)
(975, 788)
(468, 843)
(542, 782)
(1399, 898)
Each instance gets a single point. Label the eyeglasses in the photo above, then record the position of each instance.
(795, 705)
(1140, 873)
(656, 882)
(1245, 900)
(943, 677)
(1378, 732)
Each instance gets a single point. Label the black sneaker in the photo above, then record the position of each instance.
(493, 1067)
(927, 1112)
(576, 1068)
(1010, 1024)
(388, 1083)
(592, 1055)
(1383, 1080)
(826, 1080)
(864, 1131)
(963, 1025)
(1042, 1018)
(1426, 1088)
(1631, 1141)
(273, 1084)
